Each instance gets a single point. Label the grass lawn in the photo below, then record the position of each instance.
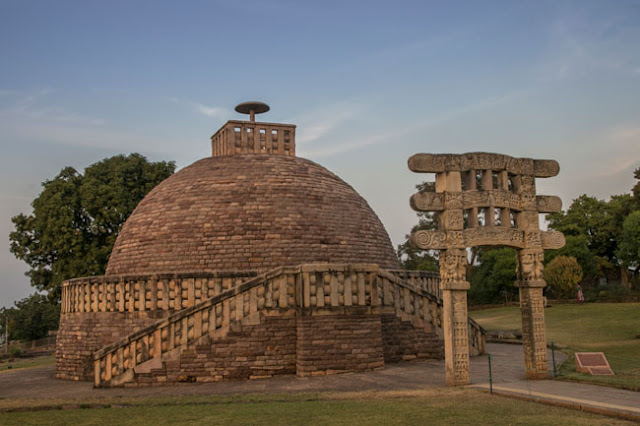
(438, 406)
(27, 363)
(594, 327)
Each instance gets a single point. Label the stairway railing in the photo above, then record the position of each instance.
(316, 289)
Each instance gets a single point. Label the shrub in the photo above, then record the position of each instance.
(563, 274)
(15, 351)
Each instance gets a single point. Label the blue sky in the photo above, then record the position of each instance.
(368, 83)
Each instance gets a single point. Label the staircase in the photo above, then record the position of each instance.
(262, 312)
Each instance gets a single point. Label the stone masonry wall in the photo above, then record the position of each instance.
(254, 351)
(402, 341)
(81, 334)
(328, 344)
(274, 345)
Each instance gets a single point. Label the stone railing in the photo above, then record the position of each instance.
(426, 280)
(314, 289)
(417, 303)
(130, 293)
(247, 137)
(115, 363)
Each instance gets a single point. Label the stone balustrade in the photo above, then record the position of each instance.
(426, 280)
(132, 293)
(316, 289)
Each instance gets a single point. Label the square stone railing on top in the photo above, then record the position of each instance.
(247, 137)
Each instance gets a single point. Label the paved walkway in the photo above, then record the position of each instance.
(507, 367)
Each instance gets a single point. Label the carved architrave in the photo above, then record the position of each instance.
(494, 197)
(548, 203)
(439, 163)
(427, 201)
(493, 235)
(545, 168)
(510, 237)
(429, 240)
(552, 240)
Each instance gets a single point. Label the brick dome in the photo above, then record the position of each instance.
(250, 212)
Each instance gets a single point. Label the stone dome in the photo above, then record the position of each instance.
(249, 212)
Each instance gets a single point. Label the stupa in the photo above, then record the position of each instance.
(250, 263)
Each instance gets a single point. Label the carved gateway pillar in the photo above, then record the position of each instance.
(454, 286)
(487, 199)
(529, 264)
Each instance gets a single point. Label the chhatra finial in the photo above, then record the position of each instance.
(252, 108)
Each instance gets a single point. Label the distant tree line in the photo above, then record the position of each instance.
(602, 252)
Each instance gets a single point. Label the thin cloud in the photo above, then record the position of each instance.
(209, 111)
(315, 125)
(583, 44)
(395, 134)
(31, 106)
(621, 144)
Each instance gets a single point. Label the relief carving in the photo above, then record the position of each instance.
(455, 239)
(552, 240)
(427, 201)
(453, 200)
(453, 265)
(493, 235)
(429, 240)
(529, 265)
(483, 198)
(528, 185)
(532, 239)
(454, 220)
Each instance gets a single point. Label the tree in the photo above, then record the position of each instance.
(493, 278)
(636, 187)
(76, 218)
(31, 318)
(562, 275)
(629, 247)
(590, 217)
(410, 257)
(576, 246)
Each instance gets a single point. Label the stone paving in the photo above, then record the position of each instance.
(507, 368)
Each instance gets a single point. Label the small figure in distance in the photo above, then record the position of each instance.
(580, 295)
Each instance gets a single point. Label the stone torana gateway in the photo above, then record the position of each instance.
(250, 263)
(487, 199)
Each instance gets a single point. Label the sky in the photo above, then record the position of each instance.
(368, 83)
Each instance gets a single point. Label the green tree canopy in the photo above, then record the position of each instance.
(576, 246)
(629, 248)
(636, 187)
(76, 218)
(494, 275)
(31, 318)
(591, 218)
